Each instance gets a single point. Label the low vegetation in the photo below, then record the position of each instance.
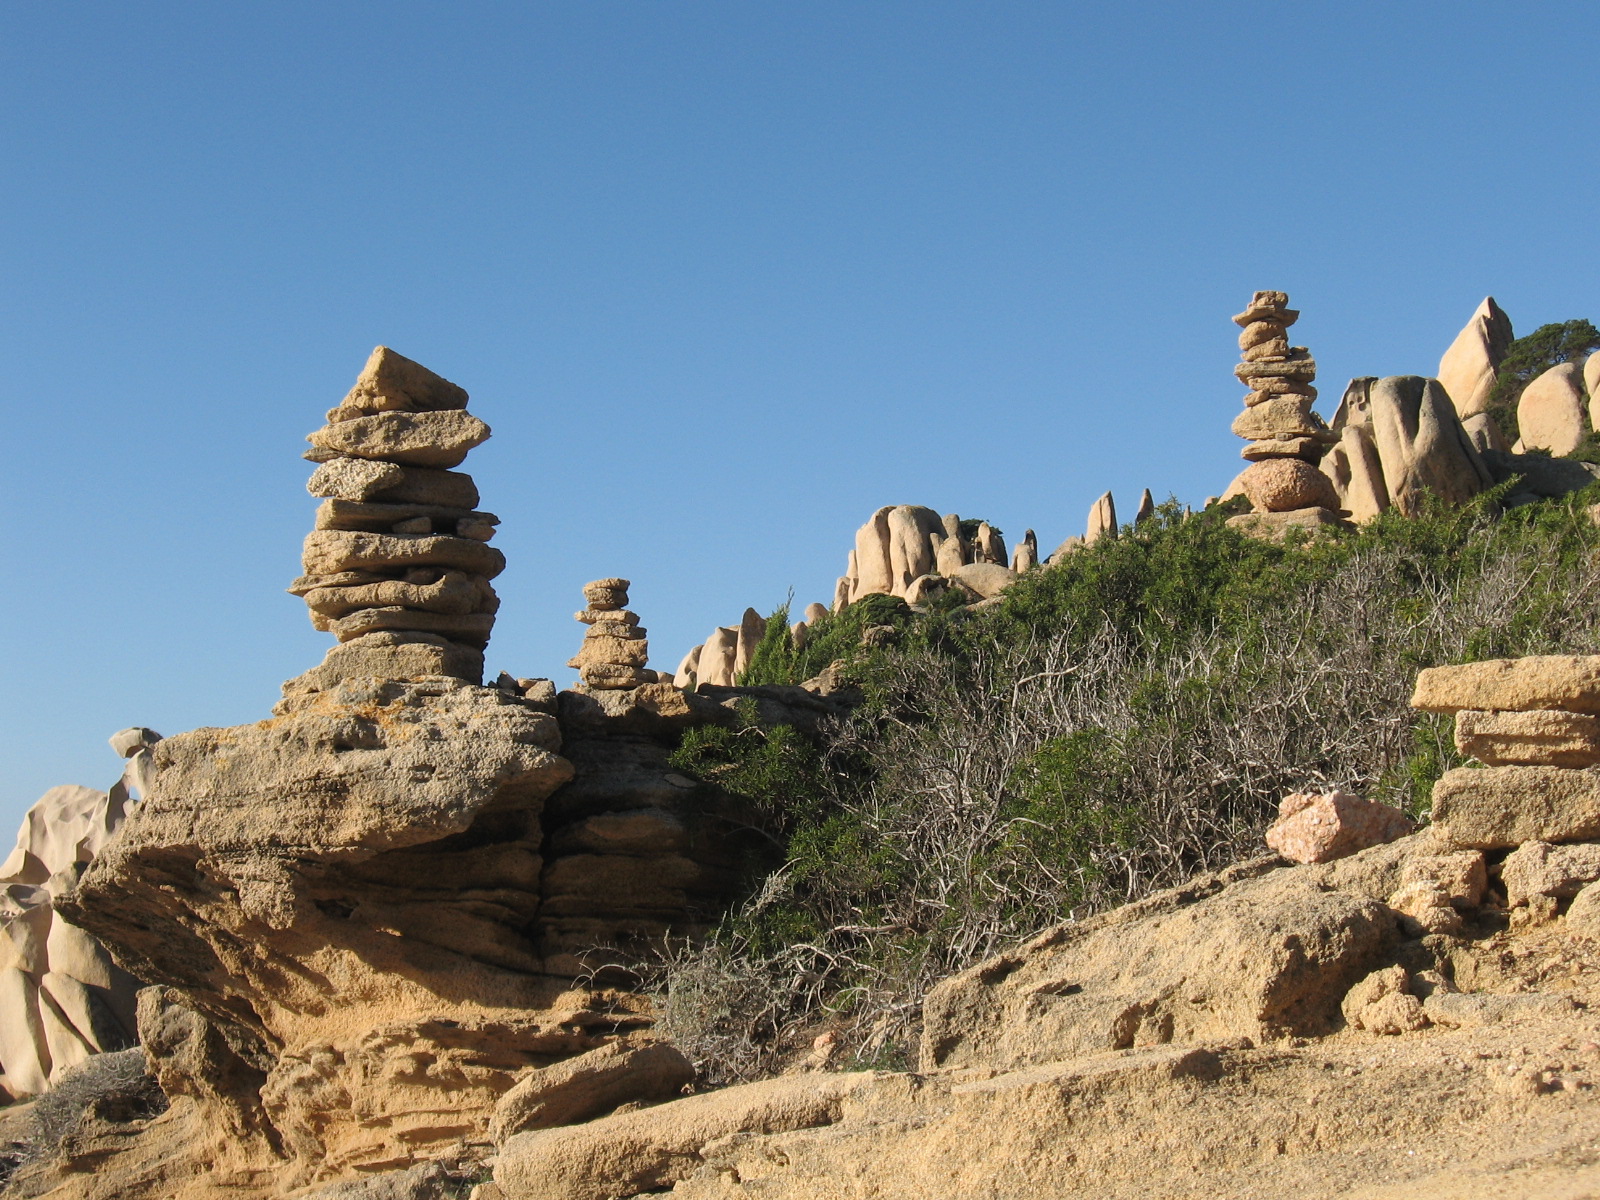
(1116, 723)
(111, 1087)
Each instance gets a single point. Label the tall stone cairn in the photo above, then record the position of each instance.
(1286, 438)
(614, 647)
(398, 565)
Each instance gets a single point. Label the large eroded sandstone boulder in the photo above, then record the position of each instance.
(1250, 953)
(347, 893)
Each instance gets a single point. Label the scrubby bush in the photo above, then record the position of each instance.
(112, 1086)
(1117, 723)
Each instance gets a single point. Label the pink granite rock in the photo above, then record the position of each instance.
(1313, 829)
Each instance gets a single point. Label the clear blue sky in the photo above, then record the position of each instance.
(723, 277)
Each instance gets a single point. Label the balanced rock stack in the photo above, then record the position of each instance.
(614, 647)
(1535, 724)
(398, 568)
(1286, 438)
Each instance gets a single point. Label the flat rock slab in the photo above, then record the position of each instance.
(330, 551)
(1496, 808)
(1538, 739)
(422, 439)
(1570, 682)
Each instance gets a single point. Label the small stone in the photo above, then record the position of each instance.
(1291, 368)
(1285, 484)
(1542, 869)
(1320, 828)
(1462, 877)
(1271, 349)
(329, 551)
(1583, 916)
(354, 478)
(1279, 417)
(470, 629)
(1426, 903)
(605, 599)
(616, 629)
(591, 616)
(607, 676)
(1304, 448)
(391, 382)
(615, 651)
(1259, 333)
(413, 525)
(1381, 1003)
(1276, 313)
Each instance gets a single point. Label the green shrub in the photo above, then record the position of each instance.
(1118, 722)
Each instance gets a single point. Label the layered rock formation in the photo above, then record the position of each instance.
(1468, 369)
(1533, 722)
(367, 915)
(398, 566)
(1285, 438)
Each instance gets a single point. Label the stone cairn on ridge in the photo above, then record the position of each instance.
(397, 567)
(614, 647)
(1286, 439)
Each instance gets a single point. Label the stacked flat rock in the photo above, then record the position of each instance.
(1286, 439)
(398, 565)
(614, 647)
(1535, 724)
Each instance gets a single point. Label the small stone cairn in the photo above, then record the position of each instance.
(614, 647)
(1286, 439)
(1535, 725)
(398, 566)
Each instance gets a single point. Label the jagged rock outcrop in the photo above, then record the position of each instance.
(398, 566)
(1400, 439)
(1102, 520)
(62, 999)
(1467, 370)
